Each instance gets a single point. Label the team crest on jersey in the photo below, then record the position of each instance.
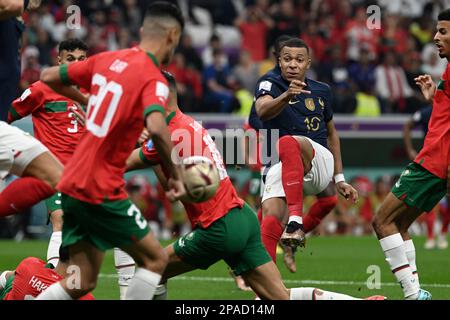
(322, 104)
(149, 144)
(118, 66)
(310, 105)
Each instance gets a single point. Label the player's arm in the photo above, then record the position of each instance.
(407, 128)
(15, 8)
(268, 107)
(345, 189)
(157, 128)
(427, 86)
(53, 77)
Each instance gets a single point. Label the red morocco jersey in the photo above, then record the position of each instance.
(54, 123)
(191, 139)
(125, 86)
(31, 277)
(435, 154)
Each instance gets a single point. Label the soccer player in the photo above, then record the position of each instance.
(424, 181)
(126, 90)
(299, 110)
(56, 126)
(224, 227)
(421, 118)
(11, 29)
(33, 276)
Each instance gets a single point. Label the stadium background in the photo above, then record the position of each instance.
(230, 41)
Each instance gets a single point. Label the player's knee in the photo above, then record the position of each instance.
(378, 224)
(270, 208)
(158, 263)
(56, 218)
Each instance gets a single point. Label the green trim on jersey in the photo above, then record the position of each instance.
(170, 116)
(14, 113)
(441, 85)
(143, 158)
(151, 56)
(153, 108)
(8, 287)
(64, 74)
(56, 106)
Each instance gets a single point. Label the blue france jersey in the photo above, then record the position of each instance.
(305, 114)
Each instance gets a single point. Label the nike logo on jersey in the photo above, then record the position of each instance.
(292, 183)
(293, 102)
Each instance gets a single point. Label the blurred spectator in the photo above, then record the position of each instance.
(253, 27)
(362, 72)
(314, 40)
(45, 47)
(189, 52)
(392, 36)
(285, 20)
(246, 72)
(218, 85)
(32, 69)
(423, 31)
(189, 85)
(391, 85)
(359, 36)
(334, 72)
(207, 54)
(367, 104)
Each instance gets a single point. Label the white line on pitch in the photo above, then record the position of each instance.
(293, 282)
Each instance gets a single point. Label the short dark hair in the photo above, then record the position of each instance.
(294, 43)
(170, 79)
(278, 42)
(72, 44)
(444, 15)
(165, 9)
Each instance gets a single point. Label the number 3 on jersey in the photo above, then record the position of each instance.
(95, 123)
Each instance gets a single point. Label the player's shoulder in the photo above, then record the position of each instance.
(29, 262)
(315, 85)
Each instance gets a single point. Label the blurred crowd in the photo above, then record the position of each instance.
(227, 47)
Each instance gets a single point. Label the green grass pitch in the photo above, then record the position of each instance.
(331, 263)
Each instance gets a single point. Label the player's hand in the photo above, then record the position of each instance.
(347, 191)
(175, 190)
(33, 4)
(426, 85)
(80, 115)
(296, 87)
(145, 135)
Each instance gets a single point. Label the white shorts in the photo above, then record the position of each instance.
(314, 182)
(17, 149)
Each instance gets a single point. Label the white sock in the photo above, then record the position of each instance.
(394, 250)
(125, 267)
(54, 292)
(143, 285)
(53, 248)
(161, 292)
(317, 294)
(410, 251)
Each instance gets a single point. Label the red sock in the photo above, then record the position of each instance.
(445, 217)
(23, 193)
(260, 216)
(271, 231)
(292, 174)
(430, 217)
(318, 211)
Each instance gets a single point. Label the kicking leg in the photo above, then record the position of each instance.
(125, 267)
(55, 238)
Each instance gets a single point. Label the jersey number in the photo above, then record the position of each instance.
(74, 122)
(99, 127)
(313, 123)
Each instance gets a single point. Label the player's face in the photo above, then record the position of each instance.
(72, 56)
(293, 63)
(442, 39)
(173, 39)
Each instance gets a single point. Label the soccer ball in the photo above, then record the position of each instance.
(200, 177)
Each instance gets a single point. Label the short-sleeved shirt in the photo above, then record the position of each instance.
(190, 139)
(54, 122)
(435, 154)
(31, 278)
(124, 86)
